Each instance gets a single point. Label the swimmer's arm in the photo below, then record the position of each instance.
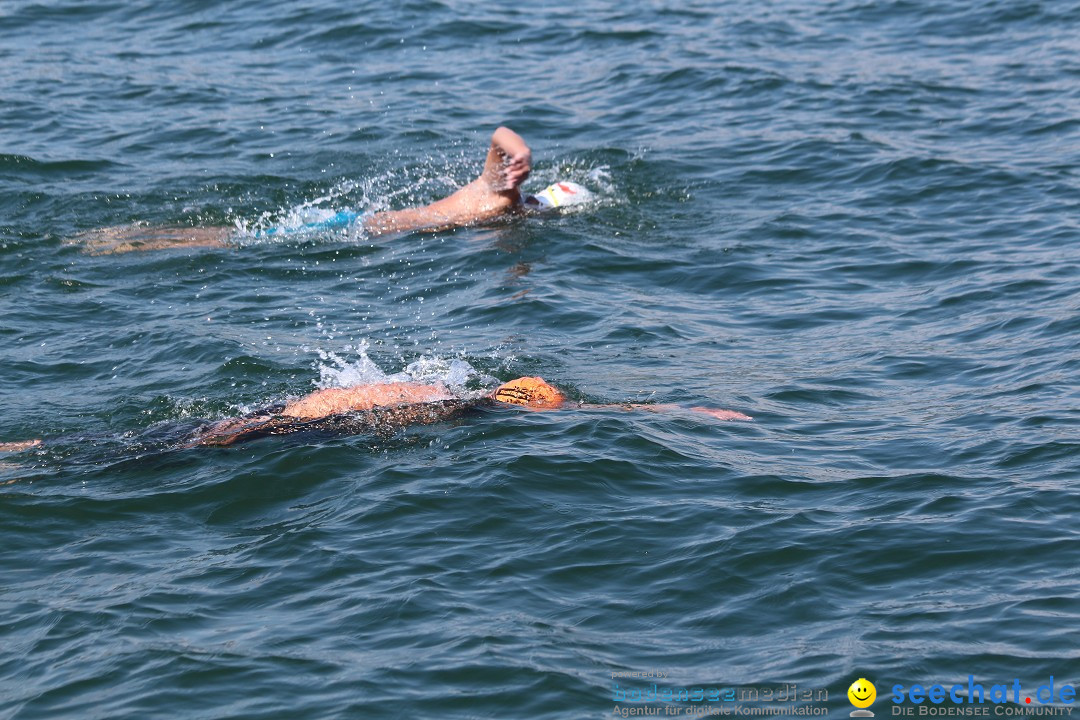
(492, 195)
(717, 413)
(390, 222)
(509, 161)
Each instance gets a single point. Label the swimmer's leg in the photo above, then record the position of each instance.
(19, 446)
(129, 238)
(234, 430)
(491, 196)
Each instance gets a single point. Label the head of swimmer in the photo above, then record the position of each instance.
(531, 392)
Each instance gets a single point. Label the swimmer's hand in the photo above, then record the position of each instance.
(517, 169)
(720, 414)
(515, 161)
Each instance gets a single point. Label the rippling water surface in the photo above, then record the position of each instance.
(856, 222)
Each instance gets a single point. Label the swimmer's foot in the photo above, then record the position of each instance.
(19, 446)
(130, 238)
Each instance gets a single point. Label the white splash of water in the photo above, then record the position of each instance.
(460, 377)
(336, 371)
(287, 223)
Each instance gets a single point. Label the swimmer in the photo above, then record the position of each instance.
(493, 195)
(382, 409)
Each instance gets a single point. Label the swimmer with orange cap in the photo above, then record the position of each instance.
(382, 409)
(492, 196)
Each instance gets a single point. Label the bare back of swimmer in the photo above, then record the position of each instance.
(493, 195)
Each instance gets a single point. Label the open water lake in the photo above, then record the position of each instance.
(857, 222)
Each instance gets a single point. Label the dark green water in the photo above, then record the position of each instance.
(857, 222)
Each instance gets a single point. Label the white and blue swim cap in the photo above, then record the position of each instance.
(560, 194)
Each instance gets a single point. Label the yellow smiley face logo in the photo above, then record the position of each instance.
(862, 693)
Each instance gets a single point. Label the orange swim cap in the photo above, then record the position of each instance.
(531, 391)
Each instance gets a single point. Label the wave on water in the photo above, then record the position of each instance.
(26, 168)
